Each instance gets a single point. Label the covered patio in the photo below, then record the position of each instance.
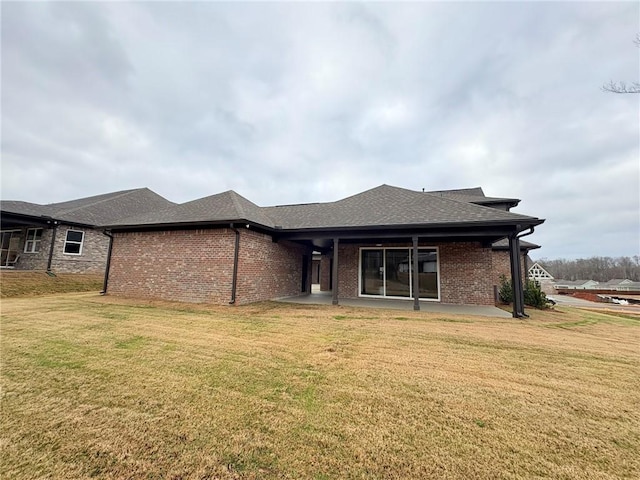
(326, 298)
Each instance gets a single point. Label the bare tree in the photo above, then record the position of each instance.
(622, 87)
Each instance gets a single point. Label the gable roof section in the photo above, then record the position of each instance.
(387, 206)
(92, 211)
(220, 208)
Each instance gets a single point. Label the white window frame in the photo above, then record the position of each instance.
(66, 241)
(33, 242)
(384, 261)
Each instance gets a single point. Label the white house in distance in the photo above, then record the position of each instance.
(536, 272)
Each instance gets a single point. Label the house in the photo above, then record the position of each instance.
(538, 273)
(387, 242)
(575, 285)
(65, 237)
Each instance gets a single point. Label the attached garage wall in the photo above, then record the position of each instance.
(197, 266)
(182, 265)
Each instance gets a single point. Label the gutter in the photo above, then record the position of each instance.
(518, 290)
(234, 279)
(108, 267)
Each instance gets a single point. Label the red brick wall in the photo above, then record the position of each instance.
(197, 266)
(325, 273)
(182, 265)
(465, 271)
(465, 274)
(502, 266)
(269, 270)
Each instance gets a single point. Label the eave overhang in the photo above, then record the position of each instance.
(485, 231)
(10, 220)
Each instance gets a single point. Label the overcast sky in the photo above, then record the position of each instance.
(306, 102)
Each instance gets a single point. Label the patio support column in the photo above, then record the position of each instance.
(54, 229)
(336, 243)
(516, 276)
(416, 275)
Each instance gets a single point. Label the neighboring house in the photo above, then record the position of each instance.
(386, 242)
(575, 284)
(65, 237)
(538, 273)
(615, 283)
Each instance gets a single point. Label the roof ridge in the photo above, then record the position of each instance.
(234, 198)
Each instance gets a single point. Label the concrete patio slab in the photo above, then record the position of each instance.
(325, 298)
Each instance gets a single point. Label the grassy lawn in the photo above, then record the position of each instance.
(29, 283)
(108, 388)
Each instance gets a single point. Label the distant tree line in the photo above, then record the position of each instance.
(600, 269)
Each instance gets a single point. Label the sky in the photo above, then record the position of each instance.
(312, 102)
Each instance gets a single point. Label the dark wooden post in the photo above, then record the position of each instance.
(416, 276)
(336, 243)
(516, 276)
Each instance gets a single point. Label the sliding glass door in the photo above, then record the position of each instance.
(388, 272)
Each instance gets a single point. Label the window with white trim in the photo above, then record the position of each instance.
(32, 243)
(73, 242)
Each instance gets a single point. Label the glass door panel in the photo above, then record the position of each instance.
(397, 273)
(9, 252)
(428, 273)
(372, 272)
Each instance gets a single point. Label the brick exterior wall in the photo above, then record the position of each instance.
(268, 270)
(502, 266)
(197, 266)
(325, 273)
(466, 271)
(92, 259)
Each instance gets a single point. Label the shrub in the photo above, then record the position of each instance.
(533, 295)
(506, 292)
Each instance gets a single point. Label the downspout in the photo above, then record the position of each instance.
(108, 267)
(520, 291)
(53, 242)
(234, 279)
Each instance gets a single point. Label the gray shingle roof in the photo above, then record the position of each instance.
(504, 244)
(222, 207)
(472, 195)
(387, 205)
(381, 206)
(25, 208)
(96, 210)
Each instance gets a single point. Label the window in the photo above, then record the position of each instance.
(32, 244)
(388, 272)
(73, 242)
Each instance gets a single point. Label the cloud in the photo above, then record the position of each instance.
(289, 103)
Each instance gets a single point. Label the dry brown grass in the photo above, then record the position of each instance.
(29, 283)
(108, 388)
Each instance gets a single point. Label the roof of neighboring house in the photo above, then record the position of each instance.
(381, 206)
(92, 211)
(576, 283)
(616, 281)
